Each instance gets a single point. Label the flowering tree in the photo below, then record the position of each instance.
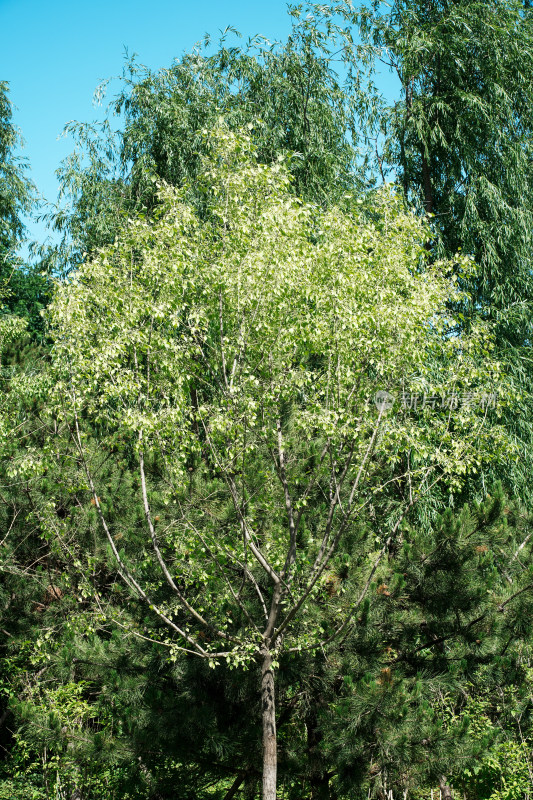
(234, 355)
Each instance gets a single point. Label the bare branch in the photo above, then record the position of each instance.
(516, 594)
(226, 579)
(294, 610)
(271, 572)
(123, 570)
(321, 559)
(291, 553)
(221, 328)
(522, 545)
(186, 605)
(15, 515)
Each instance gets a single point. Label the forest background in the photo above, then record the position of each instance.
(226, 569)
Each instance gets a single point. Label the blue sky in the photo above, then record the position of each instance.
(55, 53)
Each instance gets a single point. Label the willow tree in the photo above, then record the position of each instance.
(289, 92)
(238, 361)
(458, 137)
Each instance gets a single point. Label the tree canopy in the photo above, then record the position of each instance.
(252, 530)
(236, 355)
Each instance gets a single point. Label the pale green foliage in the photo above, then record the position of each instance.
(220, 348)
(289, 92)
(10, 329)
(458, 137)
(503, 770)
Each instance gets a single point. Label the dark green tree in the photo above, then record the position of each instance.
(24, 290)
(447, 623)
(16, 190)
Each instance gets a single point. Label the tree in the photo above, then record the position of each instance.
(24, 290)
(217, 352)
(16, 191)
(459, 140)
(288, 94)
(447, 633)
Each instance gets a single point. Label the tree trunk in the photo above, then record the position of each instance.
(428, 188)
(234, 788)
(445, 791)
(268, 705)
